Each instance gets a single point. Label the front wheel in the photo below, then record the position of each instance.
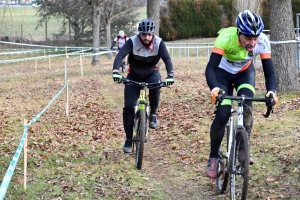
(223, 174)
(240, 160)
(140, 138)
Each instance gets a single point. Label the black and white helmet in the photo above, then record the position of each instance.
(146, 26)
(249, 23)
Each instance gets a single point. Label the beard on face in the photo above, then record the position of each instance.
(143, 42)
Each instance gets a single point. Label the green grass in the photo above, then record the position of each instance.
(16, 21)
(22, 21)
(142, 13)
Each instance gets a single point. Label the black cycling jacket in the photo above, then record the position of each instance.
(143, 59)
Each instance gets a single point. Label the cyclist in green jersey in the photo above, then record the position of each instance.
(231, 67)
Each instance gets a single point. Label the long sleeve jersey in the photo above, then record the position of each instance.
(143, 59)
(228, 54)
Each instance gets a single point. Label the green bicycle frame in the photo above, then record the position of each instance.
(142, 99)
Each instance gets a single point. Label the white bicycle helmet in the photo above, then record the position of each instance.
(121, 33)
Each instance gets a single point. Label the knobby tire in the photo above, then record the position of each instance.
(223, 173)
(140, 140)
(240, 180)
(223, 176)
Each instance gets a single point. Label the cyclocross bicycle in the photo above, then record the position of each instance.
(141, 112)
(230, 167)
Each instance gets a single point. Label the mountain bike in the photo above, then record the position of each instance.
(230, 167)
(141, 112)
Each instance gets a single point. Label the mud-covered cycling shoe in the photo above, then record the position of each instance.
(241, 157)
(212, 168)
(153, 123)
(127, 148)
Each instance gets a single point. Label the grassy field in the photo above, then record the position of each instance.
(18, 21)
(80, 156)
(142, 13)
(22, 21)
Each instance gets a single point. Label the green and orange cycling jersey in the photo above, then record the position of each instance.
(235, 57)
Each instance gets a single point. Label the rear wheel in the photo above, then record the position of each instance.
(140, 138)
(240, 154)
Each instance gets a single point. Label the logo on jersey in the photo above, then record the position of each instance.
(138, 50)
(231, 51)
(250, 53)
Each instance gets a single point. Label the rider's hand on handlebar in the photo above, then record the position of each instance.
(271, 99)
(169, 80)
(117, 77)
(217, 94)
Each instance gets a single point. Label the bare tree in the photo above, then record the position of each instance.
(284, 54)
(153, 13)
(112, 10)
(96, 7)
(72, 14)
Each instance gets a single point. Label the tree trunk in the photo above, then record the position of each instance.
(252, 5)
(284, 55)
(108, 38)
(96, 28)
(153, 13)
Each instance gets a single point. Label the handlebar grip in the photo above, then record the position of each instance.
(270, 109)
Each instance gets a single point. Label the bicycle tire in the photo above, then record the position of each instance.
(140, 140)
(239, 179)
(223, 175)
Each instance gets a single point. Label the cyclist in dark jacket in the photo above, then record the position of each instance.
(231, 67)
(145, 50)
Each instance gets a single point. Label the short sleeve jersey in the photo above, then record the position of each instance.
(235, 57)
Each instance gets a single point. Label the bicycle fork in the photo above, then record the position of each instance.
(140, 105)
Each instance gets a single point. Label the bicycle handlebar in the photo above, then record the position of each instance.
(244, 98)
(148, 85)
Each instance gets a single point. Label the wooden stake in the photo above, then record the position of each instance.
(36, 66)
(81, 65)
(67, 99)
(49, 62)
(25, 157)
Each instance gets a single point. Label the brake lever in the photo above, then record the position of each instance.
(270, 109)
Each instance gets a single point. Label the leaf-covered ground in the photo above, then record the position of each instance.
(80, 156)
